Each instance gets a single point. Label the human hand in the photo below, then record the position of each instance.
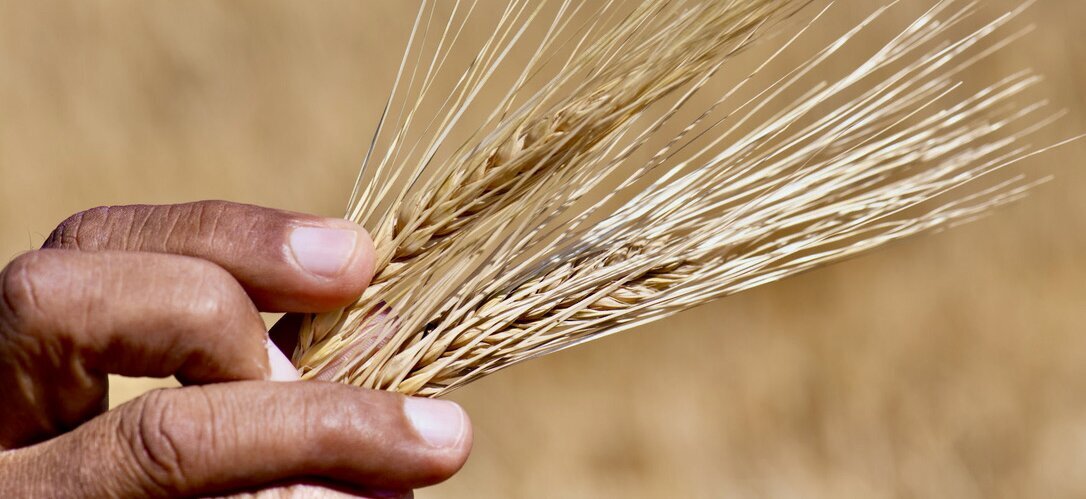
(175, 290)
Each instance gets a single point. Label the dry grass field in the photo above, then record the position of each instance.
(950, 365)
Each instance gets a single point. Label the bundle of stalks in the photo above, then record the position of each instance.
(567, 213)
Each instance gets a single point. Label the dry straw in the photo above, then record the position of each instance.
(601, 189)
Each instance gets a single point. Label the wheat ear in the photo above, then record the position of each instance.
(557, 135)
(497, 257)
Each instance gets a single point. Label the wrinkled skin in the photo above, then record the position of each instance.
(177, 290)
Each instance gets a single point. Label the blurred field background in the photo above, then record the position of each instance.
(951, 365)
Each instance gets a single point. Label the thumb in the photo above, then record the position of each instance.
(246, 436)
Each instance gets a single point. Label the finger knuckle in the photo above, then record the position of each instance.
(20, 288)
(210, 212)
(168, 226)
(66, 235)
(233, 226)
(157, 227)
(76, 231)
(32, 328)
(153, 437)
(217, 223)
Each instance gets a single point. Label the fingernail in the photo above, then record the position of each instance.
(281, 367)
(439, 422)
(323, 251)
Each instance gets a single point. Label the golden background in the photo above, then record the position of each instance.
(950, 365)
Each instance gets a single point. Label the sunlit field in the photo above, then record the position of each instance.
(948, 365)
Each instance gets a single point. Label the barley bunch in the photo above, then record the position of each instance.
(566, 214)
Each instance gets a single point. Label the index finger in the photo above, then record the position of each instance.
(287, 262)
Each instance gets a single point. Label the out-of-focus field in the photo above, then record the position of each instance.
(950, 365)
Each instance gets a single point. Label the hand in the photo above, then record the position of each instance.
(175, 290)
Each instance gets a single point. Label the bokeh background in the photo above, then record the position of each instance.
(950, 365)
